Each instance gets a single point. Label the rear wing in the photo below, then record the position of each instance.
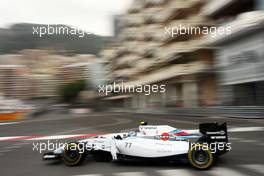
(216, 132)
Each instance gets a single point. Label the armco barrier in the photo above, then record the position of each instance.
(238, 112)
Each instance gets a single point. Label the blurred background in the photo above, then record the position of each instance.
(203, 74)
(50, 85)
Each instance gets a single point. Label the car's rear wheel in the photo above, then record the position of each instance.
(200, 157)
(73, 155)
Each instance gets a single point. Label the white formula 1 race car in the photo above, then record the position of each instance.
(151, 142)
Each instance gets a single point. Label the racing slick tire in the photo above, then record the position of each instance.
(200, 157)
(72, 155)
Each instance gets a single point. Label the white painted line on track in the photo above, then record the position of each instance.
(249, 141)
(75, 136)
(21, 143)
(180, 172)
(9, 123)
(255, 167)
(216, 117)
(89, 175)
(10, 138)
(245, 129)
(257, 142)
(130, 174)
(13, 147)
(54, 137)
(5, 150)
(31, 138)
(235, 139)
(221, 171)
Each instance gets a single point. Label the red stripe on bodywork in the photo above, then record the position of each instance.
(182, 134)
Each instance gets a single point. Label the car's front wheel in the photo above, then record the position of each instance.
(73, 154)
(200, 157)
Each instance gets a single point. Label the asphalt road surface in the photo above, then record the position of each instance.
(17, 156)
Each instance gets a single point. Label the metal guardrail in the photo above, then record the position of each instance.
(230, 111)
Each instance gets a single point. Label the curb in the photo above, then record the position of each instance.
(12, 116)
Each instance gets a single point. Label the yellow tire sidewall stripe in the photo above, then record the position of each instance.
(209, 153)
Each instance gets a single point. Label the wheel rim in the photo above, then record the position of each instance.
(200, 157)
(72, 155)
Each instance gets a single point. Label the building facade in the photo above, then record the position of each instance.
(35, 73)
(14, 81)
(146, 55)
(87, 67)
(239, 56)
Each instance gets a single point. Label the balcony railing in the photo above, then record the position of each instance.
(171, 72)
(145, 64)
(145, 47)
(215, 5)
(134, 19)
(153, 32)
(149, 3)
(172, 7)
(127, 59)
(169, 52)
(136, 6)
(124, 72)
(149, 14)
(132, 33)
